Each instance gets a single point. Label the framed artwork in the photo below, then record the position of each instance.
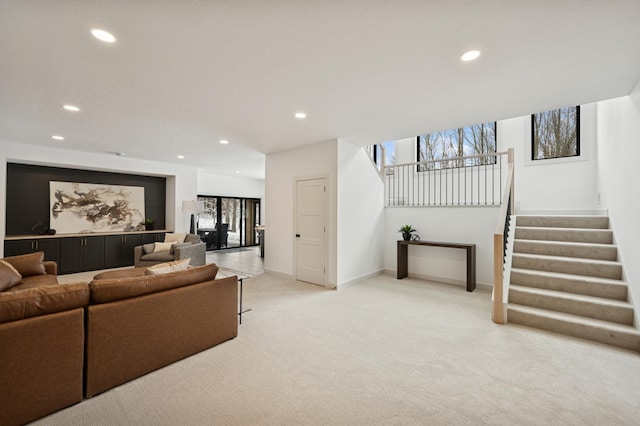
(89, 207)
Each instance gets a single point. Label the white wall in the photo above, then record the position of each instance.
(360, 233)
(281, 170)
(618, 154)
(564, 185)
(181, 181)
(210, 183)
(473, 225)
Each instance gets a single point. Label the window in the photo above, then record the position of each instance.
(465, 141)
(555, 134)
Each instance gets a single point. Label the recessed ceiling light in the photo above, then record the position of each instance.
(102, 35)
(300, 115)
(181, 157)
(224, 142)
(470, 55)
(237, 171)
(71, 108)
(58, 138)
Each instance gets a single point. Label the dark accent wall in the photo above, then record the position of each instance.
(28, 193)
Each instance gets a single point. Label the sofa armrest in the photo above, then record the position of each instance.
(137, 254)
(197, 252)
(51, 267)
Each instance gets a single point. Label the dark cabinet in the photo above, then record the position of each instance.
(81, 254)
(151, 237)
(118, 249)
(50, 247)
(85, 253)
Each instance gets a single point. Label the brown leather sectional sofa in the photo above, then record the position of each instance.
(62, 343)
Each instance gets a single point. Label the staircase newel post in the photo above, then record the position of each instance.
(498, 256)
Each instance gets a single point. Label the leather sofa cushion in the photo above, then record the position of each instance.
(35, 281)
(9, 276)
(20, 304)
(28, 264)
(108, 290)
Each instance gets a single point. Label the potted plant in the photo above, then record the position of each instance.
(149, 224)
(406, 232)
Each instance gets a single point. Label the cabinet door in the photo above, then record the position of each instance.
(18, 247)
(151, 237)
(112, 251)
(93, 253)
(71, 255)
(128, 243)
(48, 245)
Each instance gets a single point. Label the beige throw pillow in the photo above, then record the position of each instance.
(9, 276)
(162, 247)
(168, 267)
(174, 238)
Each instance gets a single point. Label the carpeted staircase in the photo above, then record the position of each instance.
(565, 278)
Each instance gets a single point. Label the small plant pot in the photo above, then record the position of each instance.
(149, 226)
(406, 236)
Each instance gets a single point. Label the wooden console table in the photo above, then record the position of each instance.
(403, 258)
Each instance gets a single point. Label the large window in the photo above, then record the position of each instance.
(555, 134)
(462, 142)
(229, 221)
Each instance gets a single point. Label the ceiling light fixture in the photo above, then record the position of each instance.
(181, 157)
(102, 35)
(237, 171)
(57, 137)
(470, 55)
(300, 115)
(224, 142)
(71, 108)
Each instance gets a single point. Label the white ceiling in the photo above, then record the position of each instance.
(185, 74)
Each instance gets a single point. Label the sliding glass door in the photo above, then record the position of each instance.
(228, 222)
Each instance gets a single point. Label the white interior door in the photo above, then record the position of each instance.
(310, 230)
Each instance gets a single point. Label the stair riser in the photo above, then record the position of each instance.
(583, 331)
(589, 252)
(569, 235)
(613, 271)
(618, 314)
(594, 222)
(570, 285)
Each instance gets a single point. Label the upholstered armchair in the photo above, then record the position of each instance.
(154, 253)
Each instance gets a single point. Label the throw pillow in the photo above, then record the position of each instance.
(174, 238)
(28, 264)
(168, 267)
(148, 248)
(8, 276)
(162, 247)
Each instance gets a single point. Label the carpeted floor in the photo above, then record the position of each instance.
(381, 351)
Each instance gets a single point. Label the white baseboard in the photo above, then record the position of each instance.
(361, 278)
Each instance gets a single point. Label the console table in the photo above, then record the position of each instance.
(403, 258)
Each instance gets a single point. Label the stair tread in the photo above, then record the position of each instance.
(562, 275)
(566, 243)
(557, 228)
(569, 259)
(572, 296)
(576, 319)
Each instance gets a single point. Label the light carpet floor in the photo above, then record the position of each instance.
(380, 351)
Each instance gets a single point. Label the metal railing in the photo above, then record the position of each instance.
(473, 180)
(500, 244)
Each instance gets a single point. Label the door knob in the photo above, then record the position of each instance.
(297, 235)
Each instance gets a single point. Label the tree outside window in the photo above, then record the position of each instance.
(556, 133)
(461, 142)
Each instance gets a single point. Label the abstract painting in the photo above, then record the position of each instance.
(89, 207)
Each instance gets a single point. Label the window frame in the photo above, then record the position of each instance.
(577, 155)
